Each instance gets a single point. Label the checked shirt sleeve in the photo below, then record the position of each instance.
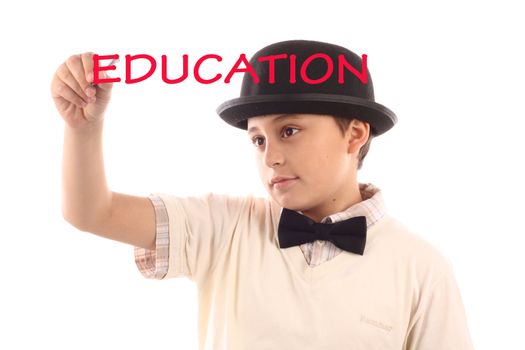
(154, 263)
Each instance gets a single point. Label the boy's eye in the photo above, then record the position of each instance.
(258, 141)
(254, 141)
(285, 131)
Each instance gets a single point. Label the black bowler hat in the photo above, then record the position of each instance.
(317, 93)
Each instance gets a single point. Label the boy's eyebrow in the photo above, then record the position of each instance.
(276, 119)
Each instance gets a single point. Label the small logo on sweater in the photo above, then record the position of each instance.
(376, 323)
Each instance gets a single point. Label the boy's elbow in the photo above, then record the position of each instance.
(75, 222)
(67, 215)
(81, 221)
(128, 219)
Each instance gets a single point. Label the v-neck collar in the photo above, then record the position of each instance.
(328, 269)
(372, 207)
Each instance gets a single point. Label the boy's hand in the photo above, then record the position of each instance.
(77, 100)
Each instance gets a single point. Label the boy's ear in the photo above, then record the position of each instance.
(357, 134)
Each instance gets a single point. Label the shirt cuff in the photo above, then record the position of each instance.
(154, 263)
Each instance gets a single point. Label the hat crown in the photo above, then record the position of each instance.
(317, 69)
(309, 77)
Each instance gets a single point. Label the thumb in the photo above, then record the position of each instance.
(105, 86)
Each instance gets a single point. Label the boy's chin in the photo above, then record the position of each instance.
(289, 203)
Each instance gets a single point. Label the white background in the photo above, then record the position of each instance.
(451, 168)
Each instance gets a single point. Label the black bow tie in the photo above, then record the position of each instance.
(296, 229)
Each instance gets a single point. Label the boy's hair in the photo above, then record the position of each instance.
(343, 124)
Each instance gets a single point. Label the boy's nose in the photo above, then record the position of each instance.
(273, 155)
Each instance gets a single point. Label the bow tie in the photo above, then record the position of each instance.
(296, 229)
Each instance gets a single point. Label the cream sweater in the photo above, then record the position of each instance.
(401, 294)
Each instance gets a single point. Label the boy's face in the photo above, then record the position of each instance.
(310, 150)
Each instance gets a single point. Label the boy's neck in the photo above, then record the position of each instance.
(336, 205)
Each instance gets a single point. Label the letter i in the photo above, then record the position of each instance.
(292, 69)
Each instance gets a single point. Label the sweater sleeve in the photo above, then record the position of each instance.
(439, 322)
(191, 233)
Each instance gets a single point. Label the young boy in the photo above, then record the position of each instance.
(319, 264)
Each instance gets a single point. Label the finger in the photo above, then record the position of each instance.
(87, 62)
(64, 105)
(76, 68)
(104, 86)
(64, 74)
(62, 90)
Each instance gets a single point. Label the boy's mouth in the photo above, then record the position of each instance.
(279, 182)
(277, 179)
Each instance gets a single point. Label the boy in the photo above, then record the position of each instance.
(317, 265)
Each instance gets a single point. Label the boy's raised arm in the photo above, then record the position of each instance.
(87, 203)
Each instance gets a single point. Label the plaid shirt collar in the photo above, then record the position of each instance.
(372, 206)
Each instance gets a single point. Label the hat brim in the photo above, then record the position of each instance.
(236, 112)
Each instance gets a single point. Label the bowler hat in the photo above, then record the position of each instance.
(304, 76)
